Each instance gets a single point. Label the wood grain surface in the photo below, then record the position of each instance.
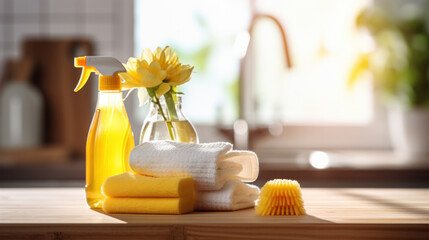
(61, 213)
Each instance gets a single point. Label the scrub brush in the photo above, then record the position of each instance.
(280, 197)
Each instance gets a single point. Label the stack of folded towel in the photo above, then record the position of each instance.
(218, 171)
(133, 193)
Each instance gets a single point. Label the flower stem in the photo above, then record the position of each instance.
(155, 99)
(171, 105)
(167, 121)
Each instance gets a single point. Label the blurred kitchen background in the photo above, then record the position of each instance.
(331, 93)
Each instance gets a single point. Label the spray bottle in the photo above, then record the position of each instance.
(110, 139)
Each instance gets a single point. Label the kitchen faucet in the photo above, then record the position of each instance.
(245, 128)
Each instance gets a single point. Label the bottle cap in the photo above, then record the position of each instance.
(109, 83)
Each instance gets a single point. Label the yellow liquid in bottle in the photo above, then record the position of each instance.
(108, 146)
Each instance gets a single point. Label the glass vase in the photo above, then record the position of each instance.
(162, 123)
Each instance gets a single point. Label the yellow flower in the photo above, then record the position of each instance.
(160, 69)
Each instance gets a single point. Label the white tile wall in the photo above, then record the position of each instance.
(24, 18)
(22, 31)
(105, 48)
(2, 58)
(108, 22)
(2, 26)
(26, 7)
(101, 32)
(64, 6)
(55, 18)
(2, 7)
(11, 51)
(99, 6)
(99, 20)
(64, 30)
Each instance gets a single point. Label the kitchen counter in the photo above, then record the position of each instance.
(341, 213)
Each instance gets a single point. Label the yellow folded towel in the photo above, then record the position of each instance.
(149, 205)
(133, 193)
(134, 185)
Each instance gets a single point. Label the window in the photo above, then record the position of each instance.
(324, 44)
(203, 34)
(312, 100)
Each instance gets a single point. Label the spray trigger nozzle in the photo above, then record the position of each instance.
(104, 66)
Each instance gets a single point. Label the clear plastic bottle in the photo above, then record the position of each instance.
(110, 139)
(109, 144)
(21, 115)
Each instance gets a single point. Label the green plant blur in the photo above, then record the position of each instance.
(399, 62)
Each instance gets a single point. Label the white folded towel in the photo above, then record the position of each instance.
(210, 164)
(233, 196)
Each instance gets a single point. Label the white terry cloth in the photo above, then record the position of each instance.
(233, 196)
(210, 164)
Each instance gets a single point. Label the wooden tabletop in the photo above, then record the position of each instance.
(61, 213)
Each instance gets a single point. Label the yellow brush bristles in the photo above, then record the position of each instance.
(280, 197)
